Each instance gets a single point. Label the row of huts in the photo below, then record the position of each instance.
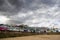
(25, 28)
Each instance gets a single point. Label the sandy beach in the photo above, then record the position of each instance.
(35, 37)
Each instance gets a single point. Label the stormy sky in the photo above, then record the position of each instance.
(31, 12)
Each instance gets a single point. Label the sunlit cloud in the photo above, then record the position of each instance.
(3, 20)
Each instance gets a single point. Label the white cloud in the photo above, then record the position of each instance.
(3, 20)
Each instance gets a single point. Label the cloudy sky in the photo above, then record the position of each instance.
(31, 12)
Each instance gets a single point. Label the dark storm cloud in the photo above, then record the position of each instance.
(29, 8)
(1, 2)
(49, 2)
(10, 7)
(36, 4)
(32, 5)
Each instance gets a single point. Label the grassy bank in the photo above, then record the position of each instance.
(15, 34)
(19, 34)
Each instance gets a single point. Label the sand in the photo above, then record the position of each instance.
(35, 37)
